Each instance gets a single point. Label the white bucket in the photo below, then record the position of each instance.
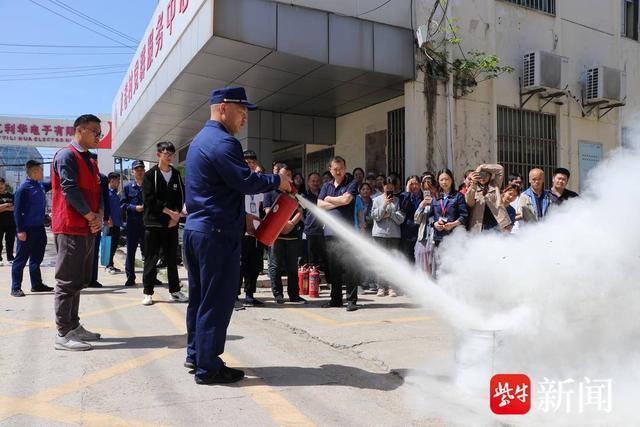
(476, 359)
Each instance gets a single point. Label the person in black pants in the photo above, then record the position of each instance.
(251, 261)
(7, 224)
(285, 250)
(104, 193)
(313, 229)
(163, 191)
(338, 197)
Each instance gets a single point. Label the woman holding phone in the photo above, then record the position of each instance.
(424, 245)
(387, 217)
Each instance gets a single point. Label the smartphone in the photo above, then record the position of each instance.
(389, 193)
(426, 193)
(485, 175)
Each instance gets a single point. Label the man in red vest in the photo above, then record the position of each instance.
(77, 208)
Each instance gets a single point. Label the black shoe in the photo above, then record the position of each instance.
(17, 293)
(130, 282)
(223, 376)
(351, 306)
(42, 288)
(280, 299)
(329, 304)
(253, 301)
(95, 284)
(190, 365)
(299, 300)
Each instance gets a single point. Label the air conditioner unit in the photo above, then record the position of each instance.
(543, 70)
(604, 85)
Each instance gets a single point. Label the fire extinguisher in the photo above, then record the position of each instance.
(303, 280)
(314, 282)
(283, 207)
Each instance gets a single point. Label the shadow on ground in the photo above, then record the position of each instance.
(349, 376)
(154, 341)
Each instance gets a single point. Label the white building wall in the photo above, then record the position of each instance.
(587, 32)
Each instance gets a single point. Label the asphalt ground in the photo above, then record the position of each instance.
(305, 365)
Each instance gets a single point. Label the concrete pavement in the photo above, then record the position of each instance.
(306, 365)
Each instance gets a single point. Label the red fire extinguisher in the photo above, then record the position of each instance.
(314, 282)
(303, 280)
(283, 207)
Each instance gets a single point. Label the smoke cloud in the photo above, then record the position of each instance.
(563, 297)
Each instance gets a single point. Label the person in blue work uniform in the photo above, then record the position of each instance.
(132, 201)
(217, 181)
(104, 193)
(28, 212)
(115, 221)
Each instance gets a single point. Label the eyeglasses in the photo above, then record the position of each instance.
(96, 132)
(165, 151)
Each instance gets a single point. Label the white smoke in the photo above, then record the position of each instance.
(564, 296)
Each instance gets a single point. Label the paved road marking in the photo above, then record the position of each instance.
(314, 316)
(65, 414)
(332, 322)
(101, 375)
(282, 411)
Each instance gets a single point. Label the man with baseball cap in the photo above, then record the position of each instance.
(217, 181)
(133, 204)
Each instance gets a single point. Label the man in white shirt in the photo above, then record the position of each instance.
(252, 250)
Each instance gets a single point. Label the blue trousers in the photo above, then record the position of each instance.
(32, 250)
(135, 237)
(213, 263)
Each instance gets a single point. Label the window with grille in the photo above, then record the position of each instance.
(395, 142)
(318, 161)
(546, 6)
(630, 19)
(527, 140)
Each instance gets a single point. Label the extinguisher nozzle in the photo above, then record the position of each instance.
(298, 197)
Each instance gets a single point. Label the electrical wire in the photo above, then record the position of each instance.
(60, 77)
(81, 25)
(62, 46)
(49, 72)
(65, 53)
(375, 8)
(63, 68)
(94, 21)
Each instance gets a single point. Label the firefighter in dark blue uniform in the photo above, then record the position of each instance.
(133, 204)
(217, 181)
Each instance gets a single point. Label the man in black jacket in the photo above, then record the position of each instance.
(163, 191)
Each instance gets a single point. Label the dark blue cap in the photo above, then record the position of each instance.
(231, 95)
(137, 164)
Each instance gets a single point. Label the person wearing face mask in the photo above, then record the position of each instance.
(534, 202)
(483, 199)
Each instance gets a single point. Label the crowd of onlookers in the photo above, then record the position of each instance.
(412, 216)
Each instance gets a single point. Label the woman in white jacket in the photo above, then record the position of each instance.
(387, 217)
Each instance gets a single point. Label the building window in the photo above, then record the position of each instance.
(546, 6)
(630, 19)
(527, 140)
(395, 142)
(318, 161)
